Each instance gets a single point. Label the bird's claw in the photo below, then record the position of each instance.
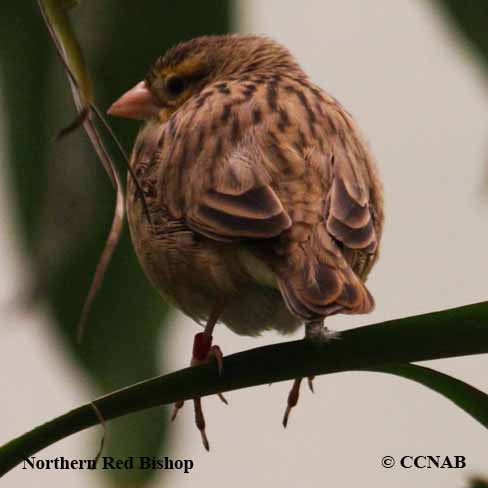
(222, 397)
(216, 352)
(200, 422)
(294, 395)
(292, 400)
(176, 408)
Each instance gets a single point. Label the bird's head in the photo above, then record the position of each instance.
(189, 67)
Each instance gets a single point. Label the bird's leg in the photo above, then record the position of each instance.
(203, 352)
(316, 333)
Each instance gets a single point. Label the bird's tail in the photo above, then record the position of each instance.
(321, 289)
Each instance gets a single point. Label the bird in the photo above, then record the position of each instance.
(255, 201)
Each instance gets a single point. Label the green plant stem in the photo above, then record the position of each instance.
(457, 332)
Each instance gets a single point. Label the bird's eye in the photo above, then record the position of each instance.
(175, 85)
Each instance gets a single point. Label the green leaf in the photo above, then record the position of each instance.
(67, 47)
(456, 332)
(478, 482)
(70, 4)
(64, 202)
(470, 399)
(471, 18)
(57, 15)
(25, 54)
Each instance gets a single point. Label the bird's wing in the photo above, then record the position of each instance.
(236, 202)
(332, 258)
(207, 149)
(349, 214)
(306, 179)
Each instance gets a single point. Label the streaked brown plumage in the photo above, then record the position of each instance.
(265, 203)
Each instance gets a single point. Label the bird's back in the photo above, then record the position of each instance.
(273, 169)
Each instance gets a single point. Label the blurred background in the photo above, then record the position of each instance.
(413, 73)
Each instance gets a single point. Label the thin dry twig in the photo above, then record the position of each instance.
(101, 421)
(85, 107)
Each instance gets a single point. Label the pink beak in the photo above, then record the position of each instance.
(137, 103)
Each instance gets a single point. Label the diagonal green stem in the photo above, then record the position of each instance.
(457, 332)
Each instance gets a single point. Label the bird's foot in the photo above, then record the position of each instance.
(203, 352)
(315, 333)
(294, 395)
